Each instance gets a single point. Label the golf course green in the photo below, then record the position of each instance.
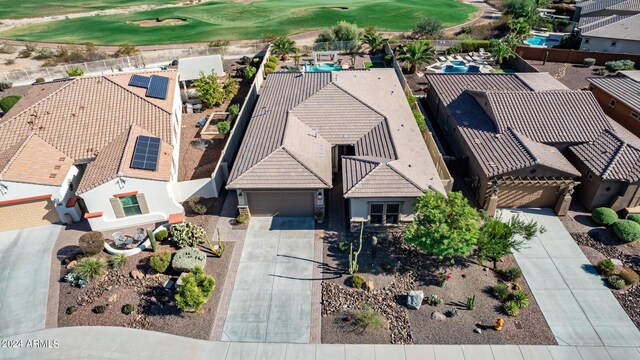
(236, 20)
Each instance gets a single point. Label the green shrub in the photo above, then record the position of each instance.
(268, 71)
(187, 259)
(71, 310)
(75, 280)
(601, 72)
(589, 62)
(40, 80)
(617, 65)
(99, 309)
(197, 207)
(162, 234)
(629, 276)
(270, 65)
(5, 85)
(370, 319)
(152, 240)
(520, 298)
(357, 281)
(8, 102)
(616, 282)
(90, 268)
(195, 291)
(634, 218)
(422, 125)
(604, 216)
(234, 110)
(606, 267)
(511, 308)
(127, 309)
(7, 49)
(343, 246)
(160, 261)
(250, 72)
(75, 71)
(187, 235)
(223, 127)
(256, 61)
(388, 59)
(272, 59)
(242, 218)
(245, 60)
(501, 291)
(627, 230)
(512, 274)
(117, 261)
(91, 243)
(474, 45)
(434, 300)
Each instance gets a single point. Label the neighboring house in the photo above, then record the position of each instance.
(518, 139)
(191, 68)
(619, 96)
(609, 25)
(105, 146)
(606, 8)
(352, 129)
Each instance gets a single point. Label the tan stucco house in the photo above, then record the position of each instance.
(619, 97)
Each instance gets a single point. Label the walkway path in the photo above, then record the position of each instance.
(25, 256)
(271, 299)
(123, 343)
(577, 305)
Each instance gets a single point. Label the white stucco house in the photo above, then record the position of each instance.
(105, 148)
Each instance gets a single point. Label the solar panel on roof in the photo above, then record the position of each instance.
(145, 154)
(139, 81)
(158, 87)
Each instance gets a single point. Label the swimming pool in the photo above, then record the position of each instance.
(460, 67)
(324, 67)
(537, 40)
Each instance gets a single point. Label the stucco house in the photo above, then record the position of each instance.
(523, 140)
(102, 147)
(311, 132)
(609, 25)
(616, 96)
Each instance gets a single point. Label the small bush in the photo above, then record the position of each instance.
(162, 234)
(471, 302)
(8, 102)
(268, 71)
(343, 246)
(512, 274)
(187, 259)
(197, 207)
(187, 235)
(629, 276)
(434, 300)
(90, 268)
(357, 281)
(634, 218)
(195, 291)
(627, 230)
(270, 65)
(117, 261)
(75, 280)
(75, 71)
(520, 298)
(601, 72)
(256, 61)
(99, 309)
(370, 318)
(223, 127)
(511, 308)
(245, 60)
(474, 45)
(91, 243)
(501, 291)
(272, 59)
(5, 85)
(604, 216)
(71, 310)
(40, 80)
(422, 125)
(127, 309)
(617, 65)
(242, 218)
(606, 267)
(160, 261)
(7, 49)
(249, 72)
(234, 110)
(616, 282)
(589, 62)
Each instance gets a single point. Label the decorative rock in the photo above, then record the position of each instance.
(616, 262)
(179, 281)
(137, 274)
(414, 299)
(438, 316)
(477, 331)
(72, 264)
(112, 298)
(368, 286)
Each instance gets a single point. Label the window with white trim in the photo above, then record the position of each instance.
(384, 214)
(612, 103)
(635, 115)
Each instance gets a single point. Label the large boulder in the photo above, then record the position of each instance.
(414, 299)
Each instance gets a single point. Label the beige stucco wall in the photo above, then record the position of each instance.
(359, 208)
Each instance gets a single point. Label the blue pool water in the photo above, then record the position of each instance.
(459, 67)
(537, 40)
(323, 68)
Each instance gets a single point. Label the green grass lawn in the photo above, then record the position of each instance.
(13, 9)
(232, 20)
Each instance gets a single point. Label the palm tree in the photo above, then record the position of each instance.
(416, 53)
(519, 27)
(374, 40)
(284, 46)
(502, 49)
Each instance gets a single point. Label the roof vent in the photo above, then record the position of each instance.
(346, 136)
(498, 136)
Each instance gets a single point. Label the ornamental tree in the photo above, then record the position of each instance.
(444, 227)
(499, 239)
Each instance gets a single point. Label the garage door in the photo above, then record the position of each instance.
(527, 196)
(281, 203)
(27, 214)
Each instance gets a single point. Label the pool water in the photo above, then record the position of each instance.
(537, 40)
(460, 69)
(325, 67)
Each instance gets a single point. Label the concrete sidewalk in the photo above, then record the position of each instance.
(577, 305)
(125, 343)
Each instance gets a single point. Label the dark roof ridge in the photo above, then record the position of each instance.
(614, 159)
(516, 136)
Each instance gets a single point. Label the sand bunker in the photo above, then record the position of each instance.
(158, 22)
(337, 8)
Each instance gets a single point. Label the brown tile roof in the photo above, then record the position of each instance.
(624, 87)
(80, 117)
(366, 177)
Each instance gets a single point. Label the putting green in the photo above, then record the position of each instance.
(242, 19)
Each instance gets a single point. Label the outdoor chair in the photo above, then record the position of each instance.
(118, 239)
(459, 58)
(140, 234)
(468, 58)
(450, 58)
(442, 59)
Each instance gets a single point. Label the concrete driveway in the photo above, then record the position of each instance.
(25, 263)
(271, 299)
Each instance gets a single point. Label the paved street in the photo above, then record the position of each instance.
(271, 299)
(576, 303)
(25, 259)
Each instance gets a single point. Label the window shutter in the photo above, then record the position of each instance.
(142, 202)
(117, 207)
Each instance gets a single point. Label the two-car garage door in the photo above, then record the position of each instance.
(528, 196)
(280, 203)
(27, 214)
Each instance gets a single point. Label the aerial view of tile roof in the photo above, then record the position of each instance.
(78, 119)
(510, 125)
(616, 27)
(625, 87)
(588, 7)
(299, 117)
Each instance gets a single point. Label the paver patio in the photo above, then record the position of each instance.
(271, 299)
(577, 305)
(25, 258)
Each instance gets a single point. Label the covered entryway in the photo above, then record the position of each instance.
(280, 203)
(514, 196)
(25, 213)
